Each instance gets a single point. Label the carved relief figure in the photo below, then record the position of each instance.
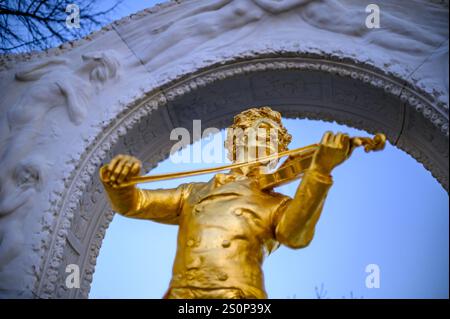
(209, 22)
(395, 33)
(53, 85)
(217, 18)
(18, 184)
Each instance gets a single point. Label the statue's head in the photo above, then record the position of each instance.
(20, 182)
(104, 65)
(256, 133)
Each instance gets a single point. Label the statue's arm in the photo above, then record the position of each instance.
(295, 221)
(160, 205)
(76, 101)
(35, 72)
(277, 6)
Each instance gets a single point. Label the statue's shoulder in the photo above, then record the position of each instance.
(193, 186)
(277, 197)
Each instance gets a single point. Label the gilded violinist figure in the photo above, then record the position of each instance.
(229, 224)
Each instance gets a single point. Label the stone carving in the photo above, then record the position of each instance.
(208, 22)
(396, 32)
(19, 182)
(216, 21)
(22, 170)
(54, 84)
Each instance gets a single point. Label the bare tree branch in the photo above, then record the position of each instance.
(27, 25)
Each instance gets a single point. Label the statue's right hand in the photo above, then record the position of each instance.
(120, 169)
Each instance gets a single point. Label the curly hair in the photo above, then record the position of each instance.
(252, 118)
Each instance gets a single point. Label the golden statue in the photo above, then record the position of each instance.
(229, 224)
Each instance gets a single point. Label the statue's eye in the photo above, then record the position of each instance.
(27, 177)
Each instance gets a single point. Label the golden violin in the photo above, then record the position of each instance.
(296, 164)
(293, 167)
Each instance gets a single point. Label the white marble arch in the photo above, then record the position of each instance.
(123, 89)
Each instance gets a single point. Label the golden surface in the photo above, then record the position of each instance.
(229, 224)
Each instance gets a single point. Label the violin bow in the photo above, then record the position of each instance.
(370, 144)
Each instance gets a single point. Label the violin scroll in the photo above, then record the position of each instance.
(377, 143)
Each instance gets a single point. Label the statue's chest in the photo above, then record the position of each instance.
(235, 206)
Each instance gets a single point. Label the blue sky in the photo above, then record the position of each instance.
(384, 208)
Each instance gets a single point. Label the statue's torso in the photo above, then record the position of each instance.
(225, 230)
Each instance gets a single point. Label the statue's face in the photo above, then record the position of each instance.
(256, 142)
(18, 185)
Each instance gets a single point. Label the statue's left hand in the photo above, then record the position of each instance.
(333, 150)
